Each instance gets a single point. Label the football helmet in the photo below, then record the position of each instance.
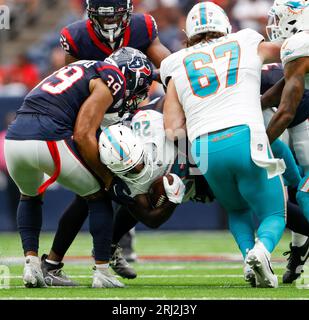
(110, 17)
(137, 70)
(121, 151)
(286, 18)
(207, 17)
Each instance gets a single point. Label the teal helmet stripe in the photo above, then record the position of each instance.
(203, 13)
(116, 145)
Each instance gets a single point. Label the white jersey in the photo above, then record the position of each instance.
(218, 85)
(148, 124)
(294, 48)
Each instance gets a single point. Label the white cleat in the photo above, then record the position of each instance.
(259, 260)
(33, 276)
(104, 279)
(249, 275)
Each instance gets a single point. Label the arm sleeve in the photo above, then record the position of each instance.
(67, 43)
(115, 81)
(295, 47)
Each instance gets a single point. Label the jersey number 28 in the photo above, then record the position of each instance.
(202, 74)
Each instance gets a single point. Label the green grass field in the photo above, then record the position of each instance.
(182, 265)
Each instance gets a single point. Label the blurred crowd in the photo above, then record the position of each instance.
(41, 58)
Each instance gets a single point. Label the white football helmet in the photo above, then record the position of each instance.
(207, 17)
(287, 18)
(121, 151)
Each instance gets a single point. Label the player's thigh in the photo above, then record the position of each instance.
(74, 175)
(300, 142)
(264, 196)
(23, 165)
(220, 176)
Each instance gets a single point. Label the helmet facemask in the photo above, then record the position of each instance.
(110, 23)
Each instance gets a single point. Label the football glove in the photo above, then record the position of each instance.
(175, 191)
(120, 192)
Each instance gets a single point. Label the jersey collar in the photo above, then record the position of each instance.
(107, 50)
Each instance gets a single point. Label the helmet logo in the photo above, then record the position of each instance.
(137, 64)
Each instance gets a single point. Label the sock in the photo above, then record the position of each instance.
(69, 225)
(242, 227)
(271, 230)
(296, 221)
(101, 227)
(29, 223)
(123, 223)
(298, 240)
(103, 266)
(282, 151)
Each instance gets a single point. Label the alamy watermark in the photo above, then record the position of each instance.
(4, 18)
(4, 277)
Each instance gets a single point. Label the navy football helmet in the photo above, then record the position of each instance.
(137, 70)
(110, 17)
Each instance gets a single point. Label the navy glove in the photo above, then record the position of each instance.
(120, 192)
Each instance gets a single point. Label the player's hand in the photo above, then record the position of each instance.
(175, 191)
(120, 192)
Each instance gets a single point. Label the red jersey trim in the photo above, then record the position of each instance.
(149, 24)
(70, 39)
(54, 152)
(96, 40)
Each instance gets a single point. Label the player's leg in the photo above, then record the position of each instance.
(123, 223)
(22, 162)
(221, 178)
(76, 177)
(266, 198)
(299, 248)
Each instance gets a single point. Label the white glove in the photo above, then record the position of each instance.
(175, 191)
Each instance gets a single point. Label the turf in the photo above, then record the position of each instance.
(167, 270)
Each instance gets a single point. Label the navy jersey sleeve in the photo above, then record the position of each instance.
(115, 81)
(68, 43)
(271, 74)
(143, 31)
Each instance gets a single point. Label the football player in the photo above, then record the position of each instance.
(68, 107)
(111, 24)
(290, 20)
(213, 92)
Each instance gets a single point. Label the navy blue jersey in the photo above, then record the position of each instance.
(50, 110)
(81, 41)
(271, 74)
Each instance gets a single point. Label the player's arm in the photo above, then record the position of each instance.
(272, 97)
(157, 52)
(269, 52)
(174, 117)
(152, 218)
(88, 122)
(294, 73)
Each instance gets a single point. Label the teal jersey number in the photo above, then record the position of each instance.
(142, 128)
(203, 78)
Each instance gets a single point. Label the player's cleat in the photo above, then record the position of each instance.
(121, 266)
(54, 275)
(249, 275)
(104, 279)
(296, 261)
(259, 260)
(33, 276)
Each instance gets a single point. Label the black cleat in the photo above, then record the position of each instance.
(296, 261)
(54, 275)
(121, 266)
